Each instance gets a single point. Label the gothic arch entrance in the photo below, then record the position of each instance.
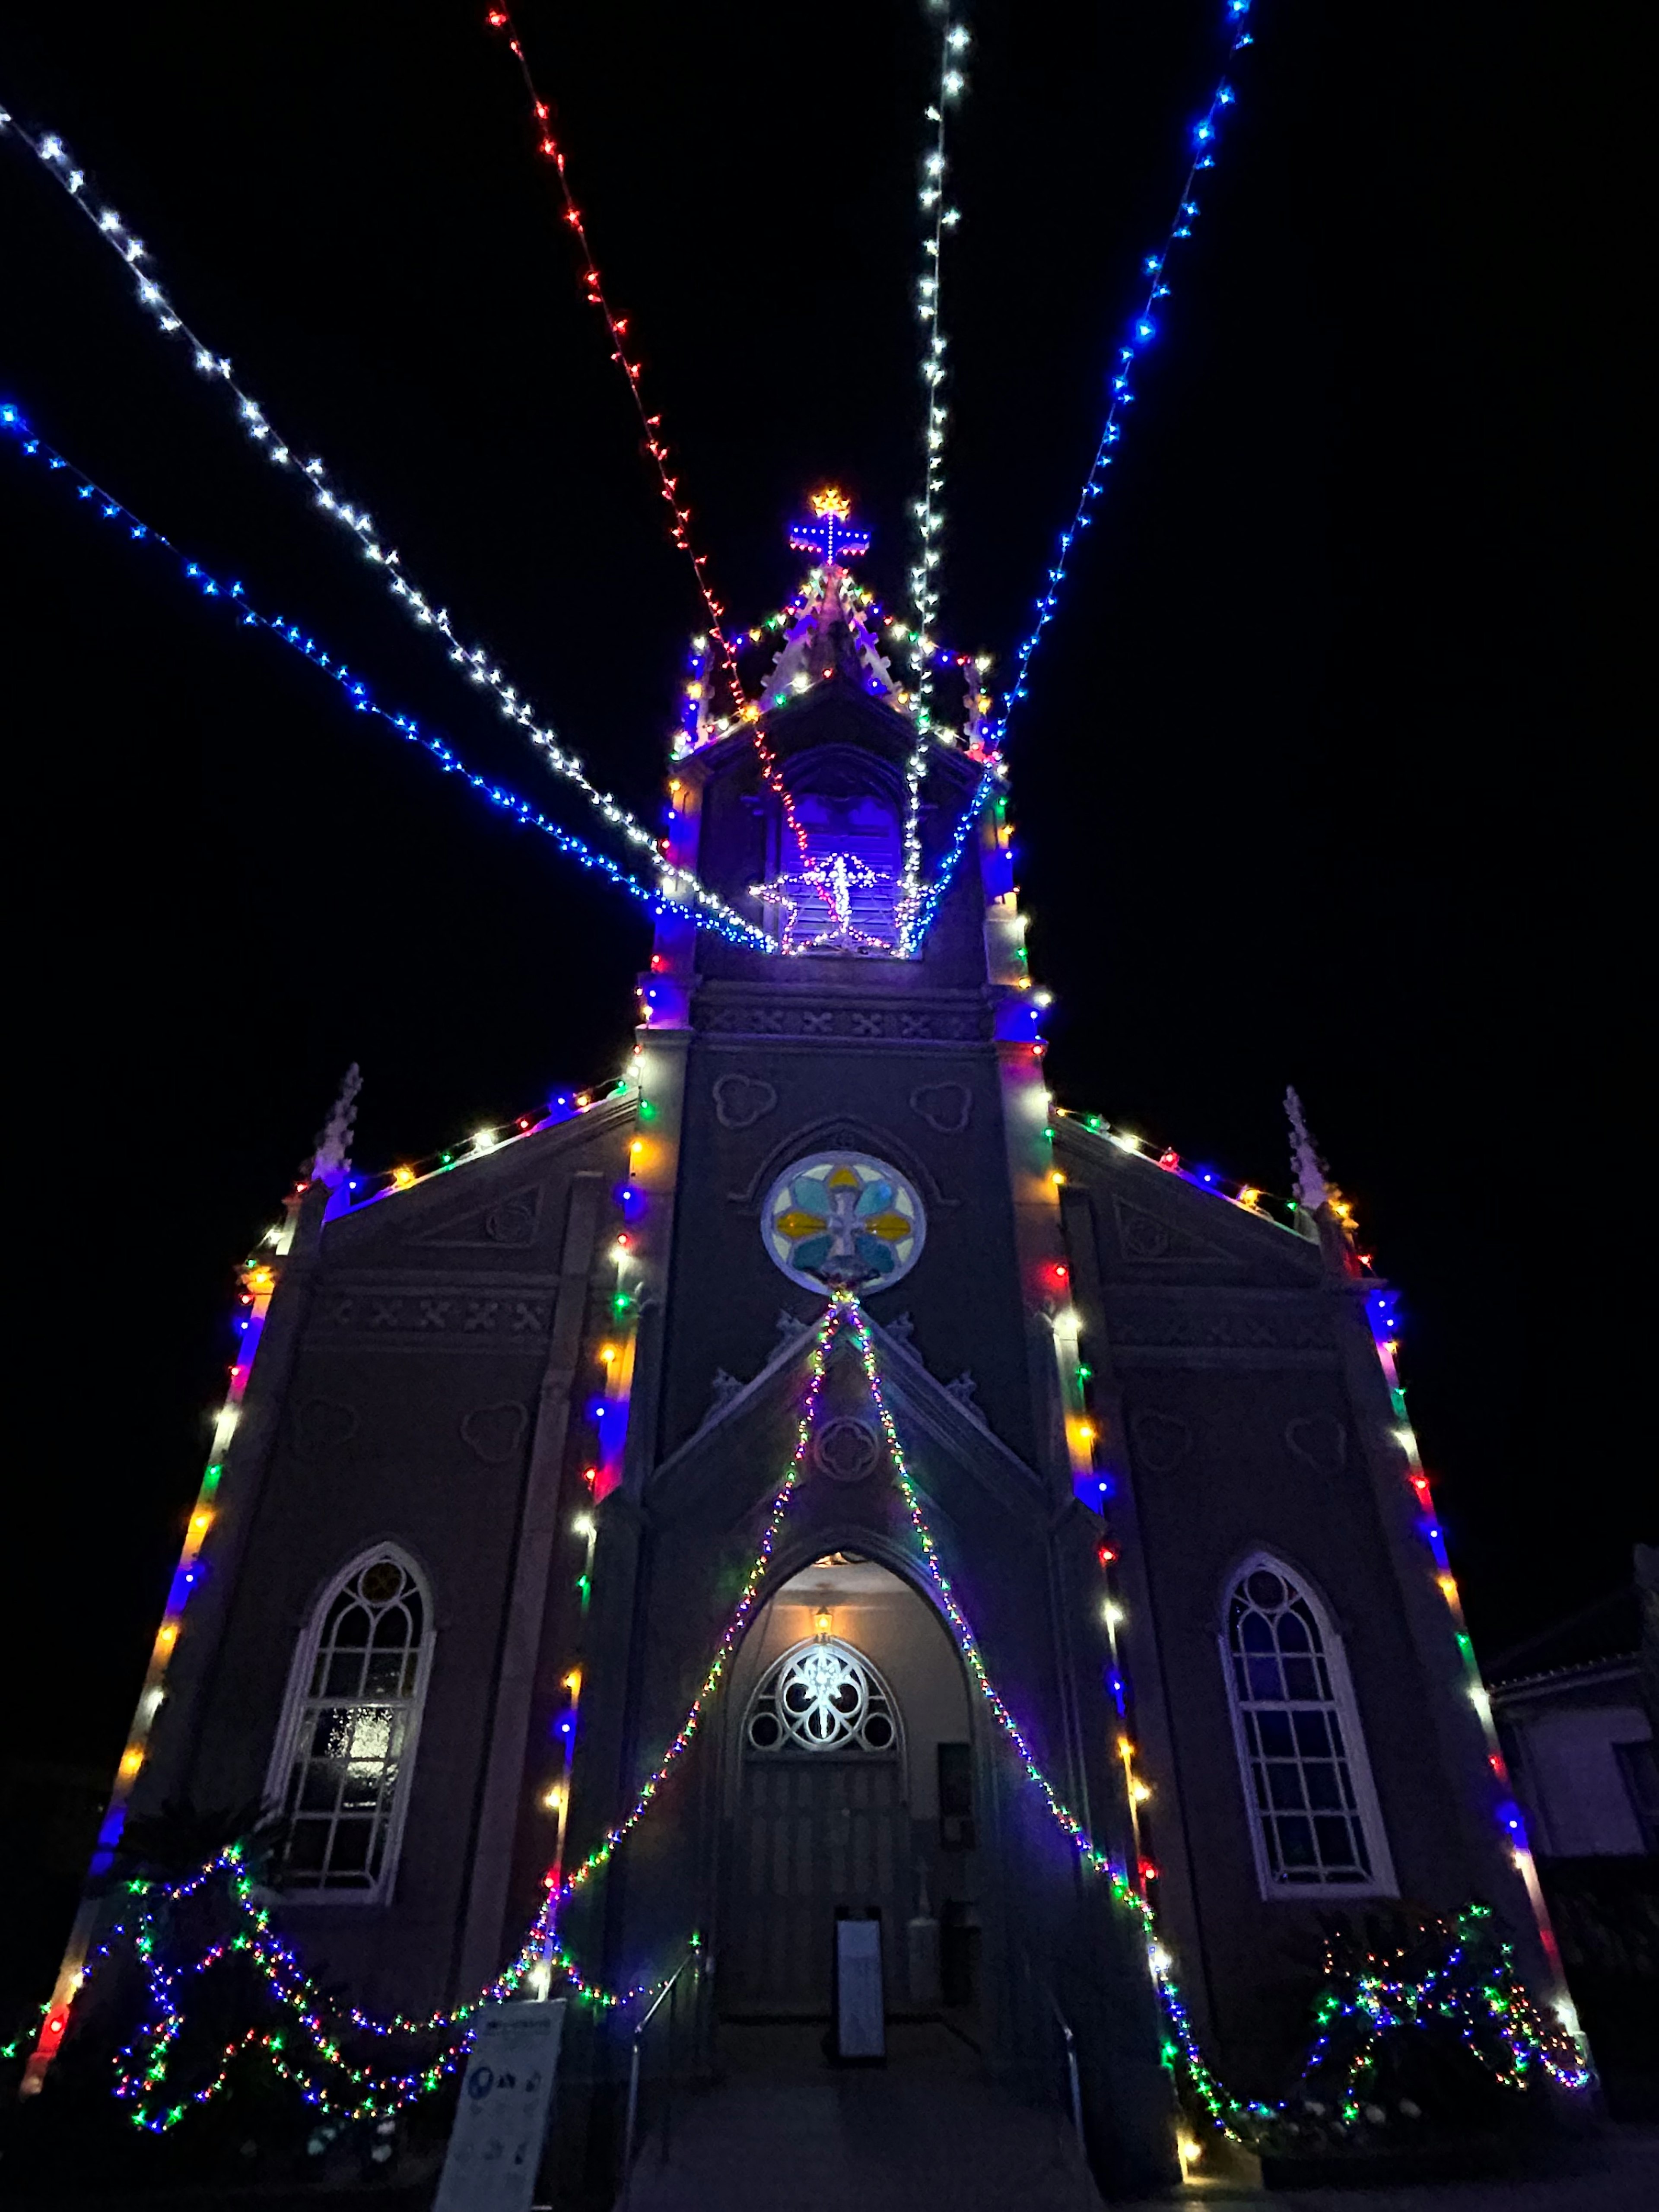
(847, 1764)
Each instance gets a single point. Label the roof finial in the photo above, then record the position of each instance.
(333, 1162)
(1312, 1191)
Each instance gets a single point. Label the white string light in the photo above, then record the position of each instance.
(929, 514)
(676, 890)
(53, 155)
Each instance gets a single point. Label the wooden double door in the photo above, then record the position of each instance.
(812, 1833)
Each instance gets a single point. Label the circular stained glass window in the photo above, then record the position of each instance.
(843, 1218)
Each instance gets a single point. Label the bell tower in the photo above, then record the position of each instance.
(864, 822)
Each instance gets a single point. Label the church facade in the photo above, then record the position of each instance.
(513, 1435)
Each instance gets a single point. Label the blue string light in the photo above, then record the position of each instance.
(1143, 330)
(108, 509)
(917, 927)
(479, 667)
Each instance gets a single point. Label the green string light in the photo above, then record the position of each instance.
(1494, 2014)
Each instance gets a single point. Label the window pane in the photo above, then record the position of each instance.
(319, 1787)
(351, 1842)
(384, 1675)
(1324, 1793)
(1301, 1681)
(1311, 1739)
(1274, 1732)
(344, 1677)
(307, 1847)
(1295, 1842)
(352, 1628)
(1285, 1787)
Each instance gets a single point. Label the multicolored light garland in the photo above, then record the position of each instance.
(1497, 2018)
(1143, 330)
(680, 891)
(142, 2067)
(479, 665)
(834, 1320)
(1506, 2014)
(1283, 1213)
(498, 18)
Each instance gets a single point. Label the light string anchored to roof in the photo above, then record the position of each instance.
(478, 667)
(676, 891)
(333, 2084)
(929, 513)
(1143, 330)
(656, 445)
(1499, 2024)
(1469, 1981)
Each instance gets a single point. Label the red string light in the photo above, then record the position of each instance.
(498, 18)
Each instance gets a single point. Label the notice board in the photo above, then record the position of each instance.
(506, 2088)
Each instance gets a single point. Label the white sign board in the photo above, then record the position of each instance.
(495, 2144)
(861, 2021)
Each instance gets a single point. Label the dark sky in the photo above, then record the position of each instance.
(1324, 775)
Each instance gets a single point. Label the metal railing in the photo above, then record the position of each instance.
(1039, 1986)
(1076, 2086)
(697, 1960)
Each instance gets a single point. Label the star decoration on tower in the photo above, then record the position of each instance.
(829, 534)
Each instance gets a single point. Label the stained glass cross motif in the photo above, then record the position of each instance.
(829, 534)
(842, 1225)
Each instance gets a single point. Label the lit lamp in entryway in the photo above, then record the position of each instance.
(824, 1621)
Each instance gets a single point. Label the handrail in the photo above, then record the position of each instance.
(694, 1958)
(1071, 2069)
(1070, 2040)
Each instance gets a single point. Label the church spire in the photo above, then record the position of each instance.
(332, 1164)
(1312, 1190)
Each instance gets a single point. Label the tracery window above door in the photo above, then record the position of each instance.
(822, 1697)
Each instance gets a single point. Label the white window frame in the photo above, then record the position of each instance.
(286, 1746)
(1273, 1887)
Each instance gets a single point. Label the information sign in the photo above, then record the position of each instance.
(495, 2144)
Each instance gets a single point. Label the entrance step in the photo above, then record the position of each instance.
(784, 2131)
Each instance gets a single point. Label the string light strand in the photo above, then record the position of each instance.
(500, 19)
(676, 891)
(1143, 330)
(476, 663)
(1491, 2009)
(929, 513)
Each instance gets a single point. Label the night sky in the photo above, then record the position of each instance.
(1324, 774)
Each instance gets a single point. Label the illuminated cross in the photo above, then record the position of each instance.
(827, 534)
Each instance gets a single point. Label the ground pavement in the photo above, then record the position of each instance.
(784, 2133)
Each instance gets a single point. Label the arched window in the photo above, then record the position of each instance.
(344, 1758)
(1314, 1815)
(823, 1696)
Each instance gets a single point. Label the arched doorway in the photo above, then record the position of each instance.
(849, 1787)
